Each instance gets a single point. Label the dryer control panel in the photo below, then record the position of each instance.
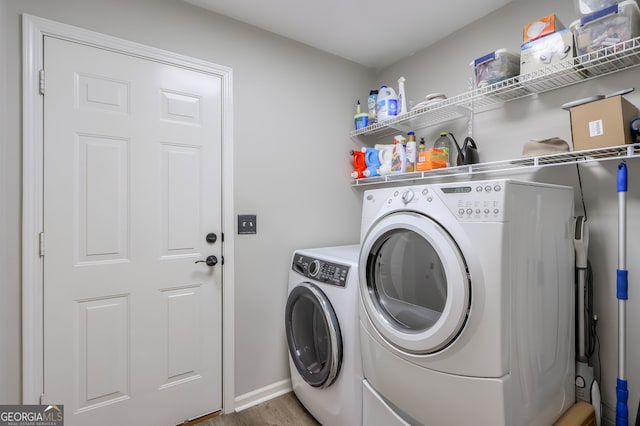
(320, 270)
(475, 201)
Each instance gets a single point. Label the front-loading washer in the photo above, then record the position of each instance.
(466, 304)
(322, 329)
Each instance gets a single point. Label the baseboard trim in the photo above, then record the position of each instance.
(258, 396)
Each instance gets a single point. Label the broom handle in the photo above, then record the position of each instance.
(622, 392)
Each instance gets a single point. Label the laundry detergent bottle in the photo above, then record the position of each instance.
(387, 103)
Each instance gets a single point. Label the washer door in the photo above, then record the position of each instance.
(313, 335)
(414, 283)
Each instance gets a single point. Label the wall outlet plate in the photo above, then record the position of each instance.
(247, 224)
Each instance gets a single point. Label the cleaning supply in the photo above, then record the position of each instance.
(372, 160)
(386, 152)
(587, 388)
(372, 101)
(402, 99)
(359, 165)
(411, 152)
(437, 158)
(361, 119)
(443, 143)
(399, 155)
(421, 162)
(387, 103)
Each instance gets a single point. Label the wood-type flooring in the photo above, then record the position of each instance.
(284, 410)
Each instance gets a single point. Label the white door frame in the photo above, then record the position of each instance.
(33, 31)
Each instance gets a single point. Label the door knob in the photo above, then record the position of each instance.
(210, 260)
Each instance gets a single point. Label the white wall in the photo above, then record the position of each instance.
(5, 320)
(501, 133)
(292, 115)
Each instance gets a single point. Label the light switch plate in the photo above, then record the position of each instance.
(247, 224)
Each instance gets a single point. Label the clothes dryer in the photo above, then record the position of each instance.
(466, 304)
(322, 329)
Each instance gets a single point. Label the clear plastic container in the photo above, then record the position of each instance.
(607, 27)
(496, 66)
(587, 7)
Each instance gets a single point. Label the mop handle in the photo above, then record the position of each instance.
(622, 392)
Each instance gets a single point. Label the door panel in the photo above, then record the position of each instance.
(313, 335)
(414, 283)
(132, 186)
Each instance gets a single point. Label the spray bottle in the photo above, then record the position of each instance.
(402, 99)
(399, 155)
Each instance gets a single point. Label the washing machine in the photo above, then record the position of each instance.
(322, 329)
(466, 304)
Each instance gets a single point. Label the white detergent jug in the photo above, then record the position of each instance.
(385, 156)
(387, 103)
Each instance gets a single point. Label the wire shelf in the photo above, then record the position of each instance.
(605, 61)
(524, 164)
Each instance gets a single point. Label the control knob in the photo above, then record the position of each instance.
(314, 268)
(407, 197)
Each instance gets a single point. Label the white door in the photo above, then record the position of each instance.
(132, 187)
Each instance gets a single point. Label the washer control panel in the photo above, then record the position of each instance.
(320, 270)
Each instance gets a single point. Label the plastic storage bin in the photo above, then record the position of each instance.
(496, 66)
(607, 27)
(587, 7)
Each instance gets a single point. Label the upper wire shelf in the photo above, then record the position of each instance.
(605, 61)
(524, 164)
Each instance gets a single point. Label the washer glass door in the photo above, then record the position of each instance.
(313, 335)
(414, 283)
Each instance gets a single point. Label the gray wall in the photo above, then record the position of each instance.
(292, 109)
(290, 156)
(501, 133)
(6, 325)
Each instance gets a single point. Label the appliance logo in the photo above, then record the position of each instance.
(31, 415)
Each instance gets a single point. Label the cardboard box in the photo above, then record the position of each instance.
(542, 27)
(547, 51)
(602, 123)
(580, 414)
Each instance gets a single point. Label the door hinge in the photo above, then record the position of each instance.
(42, 399)
(222, 237)
(41, 243)
(41, 85)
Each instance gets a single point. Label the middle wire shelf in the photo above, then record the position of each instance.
(621, 152)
